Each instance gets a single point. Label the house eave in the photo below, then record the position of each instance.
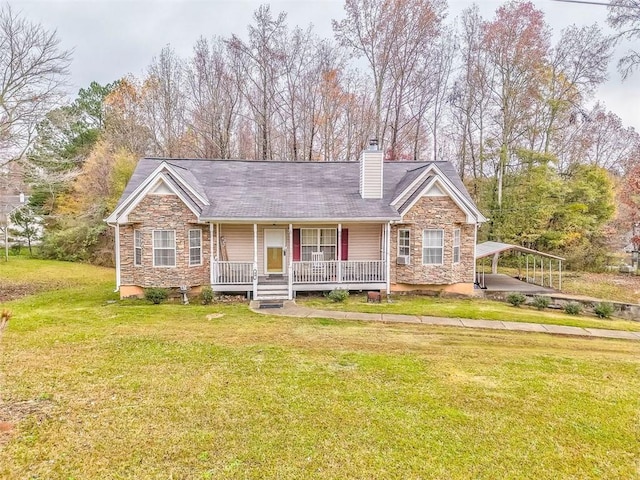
(299, 219)
(472, 213)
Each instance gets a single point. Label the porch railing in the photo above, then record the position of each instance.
(232, 273)
(333, 271)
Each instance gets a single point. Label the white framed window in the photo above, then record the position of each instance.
(323, 240)
(456, 245)
(432, 246)
(404, 242)
(164, 248)
(195, 247)
(137, 248)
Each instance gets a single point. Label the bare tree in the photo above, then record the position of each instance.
(165, 104)
(214, 99)
(258, 69)
(577, 65)
(516, 42)
(469, 98)
(33, 71)
(393, 36)
(125, 120)
(624, 16)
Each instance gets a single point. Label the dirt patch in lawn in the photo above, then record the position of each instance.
(13, 291)
(11, 413)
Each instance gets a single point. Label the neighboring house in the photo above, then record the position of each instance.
(272, 229)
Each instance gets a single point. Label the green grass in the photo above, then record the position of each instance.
(464, 308)
(22, 275)
(101, 390)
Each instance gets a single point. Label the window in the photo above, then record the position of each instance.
(195, 247)
(137, 248)
(403, 243)
(164, 248)
(432, 247)
(318, 240)
(456, 245)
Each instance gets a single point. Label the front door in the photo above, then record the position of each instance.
(274, 243)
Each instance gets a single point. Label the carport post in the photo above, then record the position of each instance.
(534, 269)
(527, 258)
(484, 285)
(550, 274)
(560, 279)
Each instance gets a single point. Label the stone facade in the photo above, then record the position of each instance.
(168, 212)
(162, 212)
(434, 213)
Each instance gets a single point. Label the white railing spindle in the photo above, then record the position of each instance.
(233, 273)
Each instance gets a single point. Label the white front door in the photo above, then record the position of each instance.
(274, 250)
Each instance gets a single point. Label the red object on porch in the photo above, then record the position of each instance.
(345, 244)
(296, 244)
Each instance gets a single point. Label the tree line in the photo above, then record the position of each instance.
(514, 110)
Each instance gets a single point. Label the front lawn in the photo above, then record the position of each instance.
(98, 389)
(22, 275)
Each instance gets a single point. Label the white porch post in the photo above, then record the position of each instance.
(255, 260)
(211, 256)
(290, 250)
(476, 278)
(218, 241)
(387, 246)
(339, 279)
(117, 255)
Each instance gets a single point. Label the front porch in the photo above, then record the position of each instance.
(278, 260)
(304, 276)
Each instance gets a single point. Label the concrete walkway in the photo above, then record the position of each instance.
(291, 309)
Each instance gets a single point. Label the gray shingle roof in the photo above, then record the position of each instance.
(247, 190)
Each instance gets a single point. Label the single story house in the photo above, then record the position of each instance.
(272, 229)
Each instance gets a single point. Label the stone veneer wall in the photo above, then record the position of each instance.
(163, 212)
(434, 213)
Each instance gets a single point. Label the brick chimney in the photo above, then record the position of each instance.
(371, 166)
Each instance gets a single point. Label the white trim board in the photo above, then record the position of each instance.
(147, 185)
(122, 215)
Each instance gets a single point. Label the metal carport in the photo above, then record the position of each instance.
(494, 249)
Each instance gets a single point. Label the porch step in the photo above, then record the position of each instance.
(273, 292)
(271, 304)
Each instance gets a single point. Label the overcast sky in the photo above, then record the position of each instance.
(112, 38)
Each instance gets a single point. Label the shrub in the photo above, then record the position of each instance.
(516, 299)
(156, 295)
(604, 310)
(338, 295)
(206, 295)
(541, 302)
(573, 308)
